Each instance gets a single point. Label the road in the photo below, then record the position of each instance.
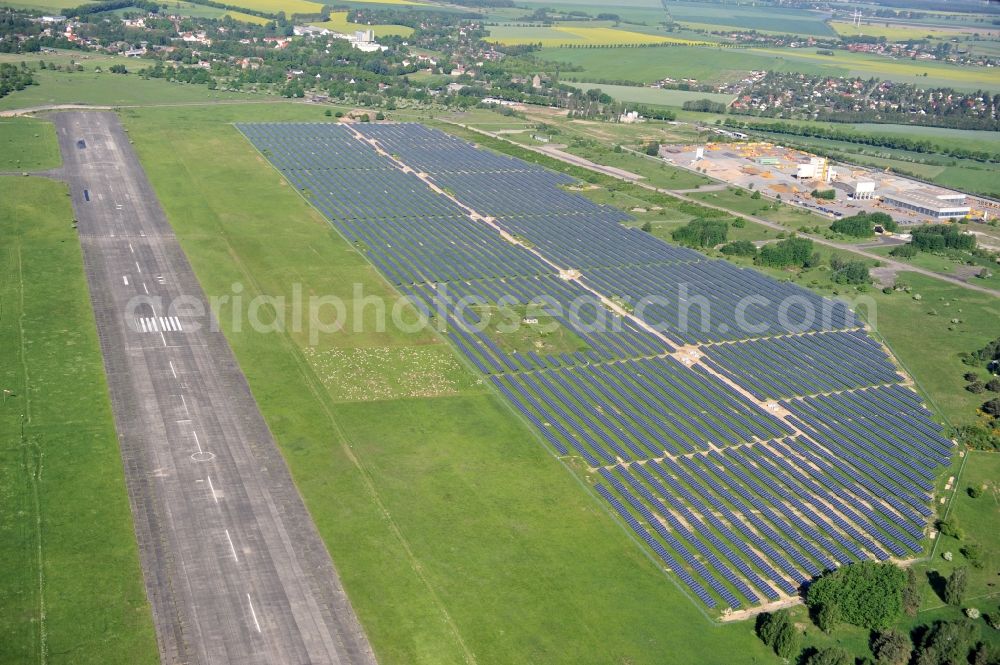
(233, 566)
(637, 180)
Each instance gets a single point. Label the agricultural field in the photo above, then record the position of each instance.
(659, 96)
(274, 6)
(715, 65)
(897, 31)
(52, 6)
(71, 589)
(381, 477)
(27, 145)
(338, 23)
(576, 35)
(635, 12)
(248, 18)
(763, 18)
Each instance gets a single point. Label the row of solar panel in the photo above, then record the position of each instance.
(840, 490)
(837, 361)
(798, 515)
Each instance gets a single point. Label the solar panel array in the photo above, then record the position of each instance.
(749, 431)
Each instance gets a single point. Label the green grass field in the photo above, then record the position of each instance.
(338, 22)
(458, 536)
(765, 17)
(739, 200)
(977, 519)
(28, 145)
(89, 87)
(71, 588)
(716, 64)
(659, 96)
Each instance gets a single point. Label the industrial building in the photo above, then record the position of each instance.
(791, 174)
(858, 189)
(949, 205)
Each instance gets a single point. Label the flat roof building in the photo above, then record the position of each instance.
(948, 207)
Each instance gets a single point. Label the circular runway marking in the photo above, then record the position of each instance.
(203, 456)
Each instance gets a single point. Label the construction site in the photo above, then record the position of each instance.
(825, 187)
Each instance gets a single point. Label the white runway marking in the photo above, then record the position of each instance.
(130, 248)
(172, 370)
(144, 288)
(185, 405)
(125, 279)
(233, 550)
(137, 266)
(162, 337)
(212, 487)
(160, 324)
(253, 614)
(196, 441)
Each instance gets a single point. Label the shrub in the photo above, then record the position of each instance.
(852, 272)
(906, 251)
(973, 553)
(947, 642)
(867, 594)
(827, 616)
(830, 656)
(647, 227)
(911, 593)
(777, 631)
(949, 527)
(859, 226)
(739, 248)
(992, 407)
(702, 233)
(892, 648)
(975, 492)
(976, 387)
(827, 194)
(993, 385)
(956, 586)
(790, 252)
(938, 237)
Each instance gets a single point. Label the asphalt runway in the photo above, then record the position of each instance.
(233, 566)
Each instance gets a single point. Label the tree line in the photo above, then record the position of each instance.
(878, 140)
